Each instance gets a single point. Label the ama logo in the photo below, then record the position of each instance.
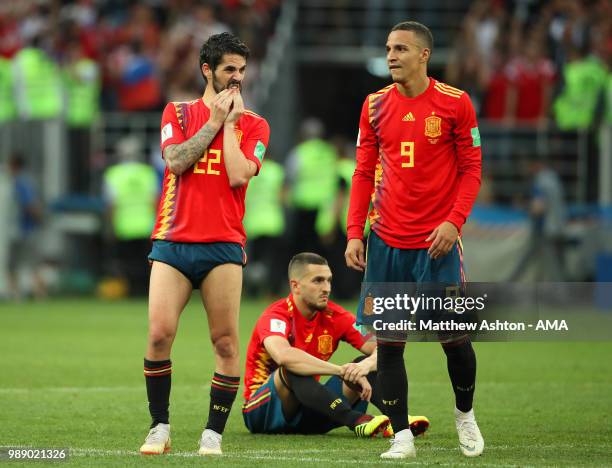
(556, 325)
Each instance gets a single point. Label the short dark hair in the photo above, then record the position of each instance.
(217, 45)
(303, 259)
(420, 30)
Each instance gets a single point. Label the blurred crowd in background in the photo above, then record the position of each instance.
(536, 60)
(141, 54)
(526, 64)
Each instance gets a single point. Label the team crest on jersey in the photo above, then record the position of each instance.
(326, 344)
(433, 126)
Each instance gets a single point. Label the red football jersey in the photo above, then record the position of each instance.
(200, 205)
(418, 162)
(318, 337)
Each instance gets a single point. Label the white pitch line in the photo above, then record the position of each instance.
(344, 450)
(250, 455)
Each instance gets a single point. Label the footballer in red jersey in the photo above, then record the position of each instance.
(289, 350)
(318, 337)
(212, 146)
(419, 166)
(418, 162)
(201, 205)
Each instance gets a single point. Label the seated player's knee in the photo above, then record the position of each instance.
(302, 386)
(281, 382)
(287, 377)
(226, 347)
(293, 380)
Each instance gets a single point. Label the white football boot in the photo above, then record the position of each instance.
(402, 446)
(470, 438)
(157, 441)
(210, 443)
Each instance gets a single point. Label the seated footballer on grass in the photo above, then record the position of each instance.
(289, 350)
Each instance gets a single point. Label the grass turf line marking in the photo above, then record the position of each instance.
(344, 450)
(252, 456)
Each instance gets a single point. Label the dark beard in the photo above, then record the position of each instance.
(314, 306)
(218, 87)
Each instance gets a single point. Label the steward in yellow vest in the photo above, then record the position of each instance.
(131, 191)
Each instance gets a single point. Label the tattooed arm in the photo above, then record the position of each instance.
(181, 157)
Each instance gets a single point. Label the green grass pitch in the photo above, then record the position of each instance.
(72, 377)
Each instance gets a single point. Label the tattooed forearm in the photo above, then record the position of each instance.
(181, 157)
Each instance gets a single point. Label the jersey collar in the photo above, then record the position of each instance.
(425, 93)
(295, 312)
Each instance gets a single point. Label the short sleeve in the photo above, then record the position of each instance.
(273, 323)
(255, 142)
(351, 334)
(171, 131)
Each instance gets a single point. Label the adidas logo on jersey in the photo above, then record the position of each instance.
(408, 117)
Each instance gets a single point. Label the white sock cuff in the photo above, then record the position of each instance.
(461, 415)
(404, 434)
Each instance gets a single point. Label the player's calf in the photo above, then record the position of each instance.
(461, 363)
(311, 394)
(158, 379)
(223, 390)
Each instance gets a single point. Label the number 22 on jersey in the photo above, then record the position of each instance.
(205, 163)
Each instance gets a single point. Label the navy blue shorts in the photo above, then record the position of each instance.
(263, 412)
(196, 260)
(386, 264)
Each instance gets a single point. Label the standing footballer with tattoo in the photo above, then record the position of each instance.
(212, 146)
